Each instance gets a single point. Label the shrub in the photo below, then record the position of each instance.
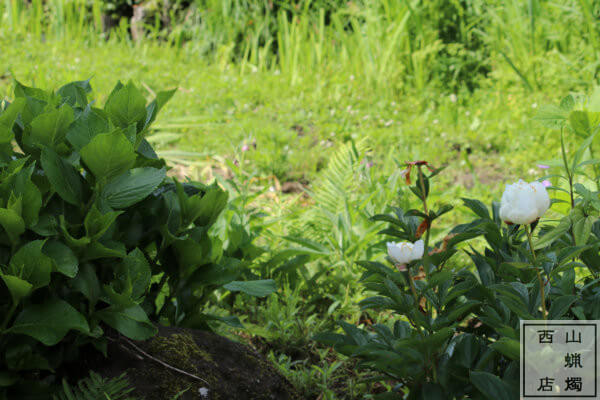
(458, 331)
(94, 234)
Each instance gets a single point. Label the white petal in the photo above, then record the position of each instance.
(418, 250)
(542, 199)
(396, 253)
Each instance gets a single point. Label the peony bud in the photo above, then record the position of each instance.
(522, 203)
(405, 252)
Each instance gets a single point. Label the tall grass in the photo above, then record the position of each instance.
(390, 45)
(53, 19)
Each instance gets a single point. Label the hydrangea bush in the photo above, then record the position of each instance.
(94, 235)
(457, 331)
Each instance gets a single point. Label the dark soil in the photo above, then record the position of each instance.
(230, 370)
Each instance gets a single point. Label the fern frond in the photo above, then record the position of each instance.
(333, 189)
(96, 387)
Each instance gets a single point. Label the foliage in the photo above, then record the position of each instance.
(94, 234)
(459, 327)
(95, 387)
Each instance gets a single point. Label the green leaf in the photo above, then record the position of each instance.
(454, 313)
(26, 91)
(131, 322)
(492, 386)
(508, 347)
(157, 104)
(87, 283)
(583, 122)
(63, 177)
(378, 302)
(203, 209)
(560, 306)
(553, 117)
(438, 277)
(49, 322)
(559, 230)
(193, 252)
(126, 106)
(119, 301)
(75, 92)
(108, 155)
(477, 207)
(582, 229)
(13, 224)
(24, 187)
(96, 223)
(258, 288)
(30, 264)
(466, 349)
(65, 261)
(146, 150)
(8, 118)
(105, 249)
(435, 340)
(582, 149)
(91, 122)
(50, 129)
(46, 225)
(18, 288)
(134, 274)
(132, 186)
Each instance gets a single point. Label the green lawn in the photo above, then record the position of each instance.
(296, 127)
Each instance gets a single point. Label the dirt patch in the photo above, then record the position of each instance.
(228, 370)
(292, 187)
(485, 171)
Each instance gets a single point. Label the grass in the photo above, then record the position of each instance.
(391, 83)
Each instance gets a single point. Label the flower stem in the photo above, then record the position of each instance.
(416, 322)
(537, 269)
(425, 257)
(416, 298)
(422, 184)
(566, 164)
(428, 221)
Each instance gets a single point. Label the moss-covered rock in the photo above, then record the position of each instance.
(225, 370)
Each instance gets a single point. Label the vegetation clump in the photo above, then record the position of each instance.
(93, 233)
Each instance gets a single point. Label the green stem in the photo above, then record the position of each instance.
(569, 174)
(425, 255)
(543, 300)
(423, 193)
(414, 293)
(426, 210)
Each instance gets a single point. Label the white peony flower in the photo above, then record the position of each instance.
(405, 252)
(522, 203)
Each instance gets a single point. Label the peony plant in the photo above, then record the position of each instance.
(456, 334)
(422, 288)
